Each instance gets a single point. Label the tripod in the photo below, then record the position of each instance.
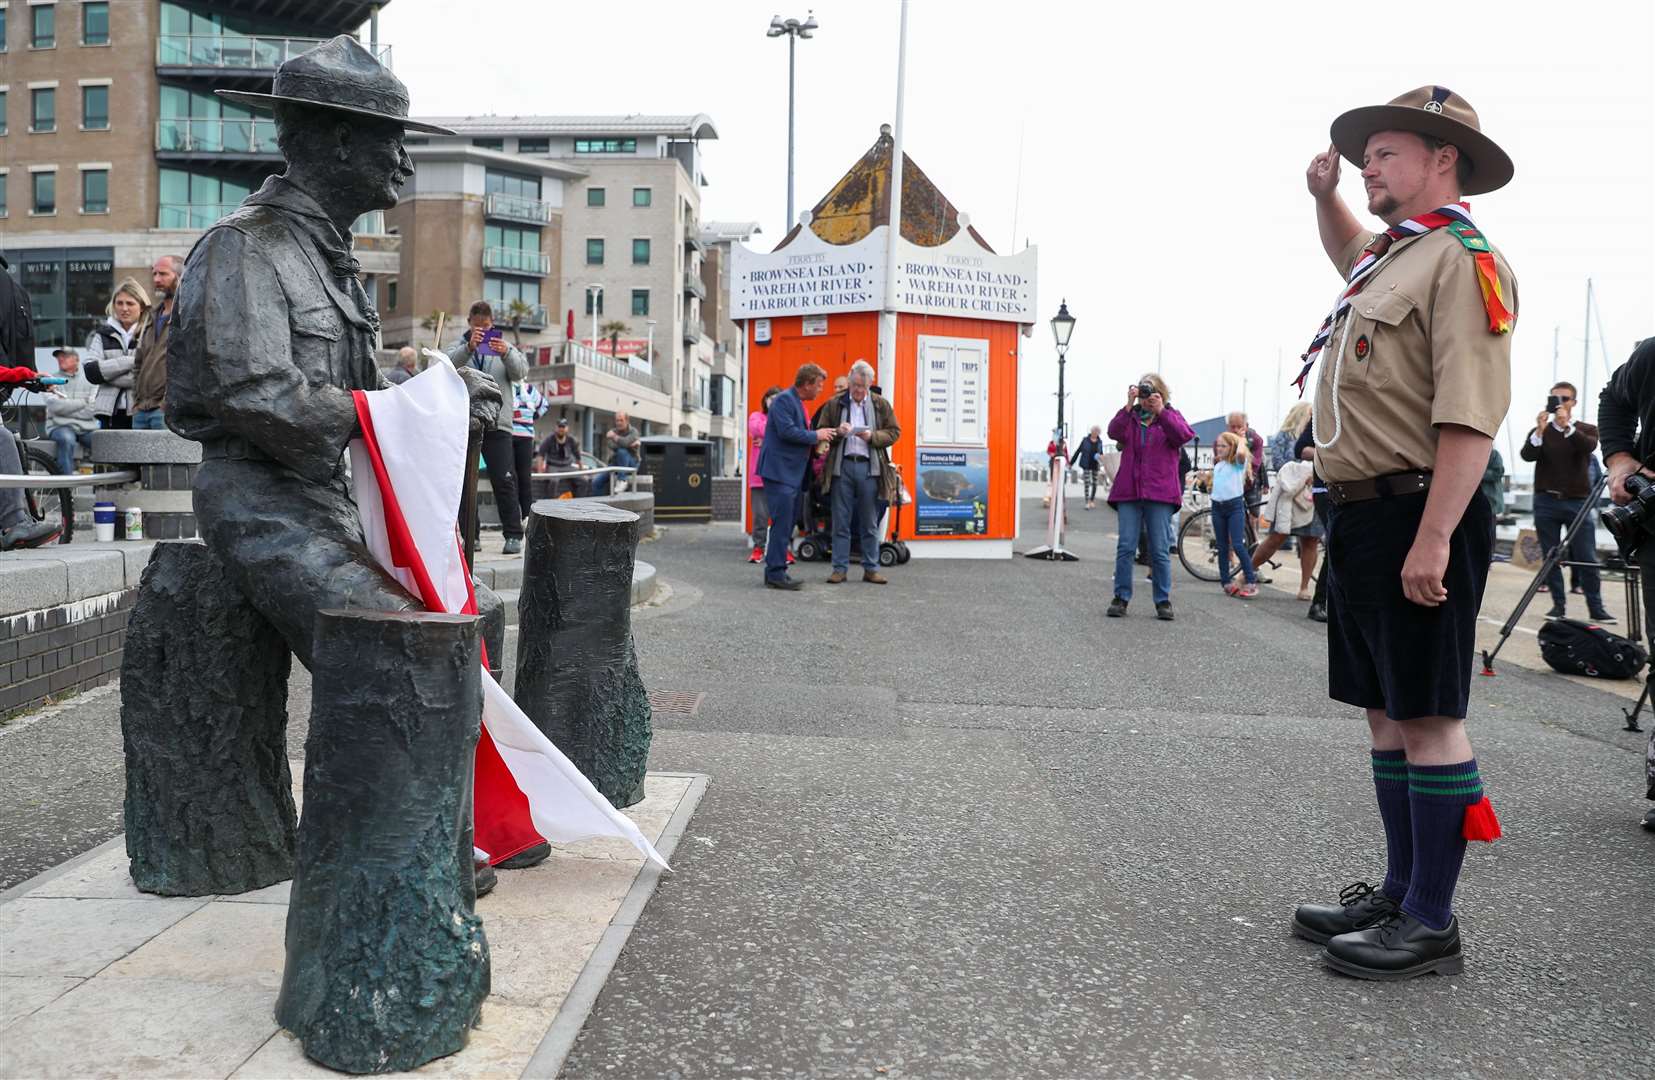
(1555, 560)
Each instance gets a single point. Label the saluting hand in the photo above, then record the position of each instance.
(1322, 177)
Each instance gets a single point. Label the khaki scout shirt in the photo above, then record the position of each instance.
(1418, 354)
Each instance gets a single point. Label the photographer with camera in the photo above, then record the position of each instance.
(1146, 490)
(1626, 415)
(1561, 449)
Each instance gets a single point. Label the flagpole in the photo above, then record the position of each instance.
(887, 316)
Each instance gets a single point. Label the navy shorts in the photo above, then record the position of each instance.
(1383, 650)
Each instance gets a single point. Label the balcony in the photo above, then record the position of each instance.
(217, 55)
(581, 355)
(517, 261)
(191, 216)
(517, 208)
(370, 224)
(692, 238)
(692, 331)
(694, 285)
(535, 318)
(217, 139)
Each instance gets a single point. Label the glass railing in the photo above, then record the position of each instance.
(692, 331)
(239, 51)
(208, 136)
(370, 224)
(191, 215)
(534, 319)
(517, 261)
(694, 285)
(517, 208)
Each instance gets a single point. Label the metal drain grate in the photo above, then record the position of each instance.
(675, 703)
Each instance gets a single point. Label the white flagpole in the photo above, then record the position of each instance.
(887, 317)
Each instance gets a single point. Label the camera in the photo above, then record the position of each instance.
(1144, 390)
(1628, 524)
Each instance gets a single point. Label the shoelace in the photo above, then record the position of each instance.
(1355, 894)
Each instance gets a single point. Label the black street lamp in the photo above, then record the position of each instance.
(1063, 325)
(793, 30)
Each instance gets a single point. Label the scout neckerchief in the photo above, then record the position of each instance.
(1456, 218)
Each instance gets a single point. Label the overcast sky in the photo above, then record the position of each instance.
(1161, 149)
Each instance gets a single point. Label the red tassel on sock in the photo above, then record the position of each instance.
(1480, 822)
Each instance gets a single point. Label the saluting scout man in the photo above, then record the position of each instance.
(1414, 381)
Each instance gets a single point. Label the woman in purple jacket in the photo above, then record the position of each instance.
(1150, 433)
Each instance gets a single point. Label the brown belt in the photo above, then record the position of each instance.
(1380, 487)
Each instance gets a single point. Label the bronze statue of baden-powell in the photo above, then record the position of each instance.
(387, 966)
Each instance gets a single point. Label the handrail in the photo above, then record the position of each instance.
(57, 480)
(248, 52)
(517, 207)
(517, 260)
(586, 356)
(204, 135)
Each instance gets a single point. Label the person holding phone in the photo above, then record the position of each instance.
(485, 349)
(1561, 448)
(858, 472)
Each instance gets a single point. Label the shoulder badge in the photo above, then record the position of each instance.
(1500, 318)
(1469, 236)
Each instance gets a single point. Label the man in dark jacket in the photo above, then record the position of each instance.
(788, 444)
(1626, 418)
(858, 470)
(149, 379)
(561, 453)
(1561, 448)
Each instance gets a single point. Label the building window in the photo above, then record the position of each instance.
(589, 310)
(94, 23)
(44, 114)
(195, 200)
(524, 187)
(534, 146)
(391, 295)
(594, 196)
(94, 191)
(3, 178)
(640, 301)
(2, 102)
(94, 111)
(606, 146)
(641, 196)
(45, 193)
(594, 253)
(489, 144)
(43, 27)
(502, 292)
(417, 141)
(640, 252)
(2, 29)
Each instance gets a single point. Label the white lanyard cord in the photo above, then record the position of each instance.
(1338, 367)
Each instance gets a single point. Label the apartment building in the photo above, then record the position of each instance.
(114, 150)
(724, 394)
(606, 238)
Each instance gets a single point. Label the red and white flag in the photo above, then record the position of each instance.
(408, 470)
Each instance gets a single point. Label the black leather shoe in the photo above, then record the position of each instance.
(785, 583)
(1163, 611)
(483, 875)
(1360, 906)
(1649, 821)
(1117, 609)
(1557, 612)
(1399, 948)
(1317, 613)
(1603, 617)
(528, 857)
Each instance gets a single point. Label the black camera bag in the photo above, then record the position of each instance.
(1578, 648)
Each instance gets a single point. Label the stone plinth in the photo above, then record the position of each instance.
(577, 670)
(209, 797)
(387, 966)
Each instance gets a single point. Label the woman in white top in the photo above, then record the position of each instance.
(111, 352)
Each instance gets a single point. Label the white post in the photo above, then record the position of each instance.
(887, 319)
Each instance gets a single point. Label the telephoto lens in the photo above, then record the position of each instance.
(1627, 523)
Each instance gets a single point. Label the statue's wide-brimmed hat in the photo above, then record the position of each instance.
(1431, 110)
(343, 76)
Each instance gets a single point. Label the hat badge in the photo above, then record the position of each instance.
(1432, 106)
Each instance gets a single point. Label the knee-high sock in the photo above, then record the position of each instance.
(1438, 796)
(1390, 782)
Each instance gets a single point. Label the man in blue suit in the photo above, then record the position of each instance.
(784, 466)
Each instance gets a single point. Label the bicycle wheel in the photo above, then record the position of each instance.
(1198, 546)
(56, 505)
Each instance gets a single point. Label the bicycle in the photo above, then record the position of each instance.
(56, 505)
(1198, 543)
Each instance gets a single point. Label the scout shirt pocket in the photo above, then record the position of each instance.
(317, 329)
(1373, 351)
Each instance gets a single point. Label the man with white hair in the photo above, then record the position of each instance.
(858, 470)
(407, 362)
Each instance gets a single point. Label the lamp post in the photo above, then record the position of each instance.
(1063, 325)
(594, 299)
(793, 29)
(649, 348)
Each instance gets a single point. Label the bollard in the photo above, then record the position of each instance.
(387, 966)
(209, 796)
(491, 610)
(577, 670)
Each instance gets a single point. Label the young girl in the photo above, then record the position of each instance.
(1232, 468)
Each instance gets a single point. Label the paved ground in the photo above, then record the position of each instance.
(964, 826)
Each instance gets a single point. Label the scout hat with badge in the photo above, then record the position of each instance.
(1431, 110)
(343, 76)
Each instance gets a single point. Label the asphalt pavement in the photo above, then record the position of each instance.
(962, 825)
